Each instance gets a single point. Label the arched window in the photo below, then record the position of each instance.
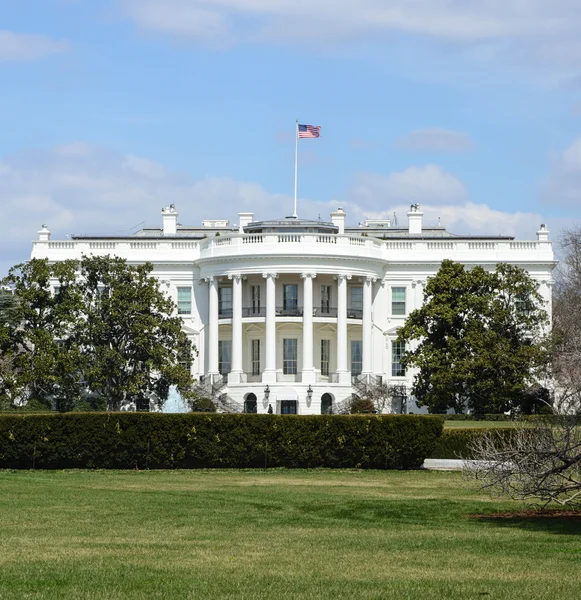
(326, 404)
(250, 404)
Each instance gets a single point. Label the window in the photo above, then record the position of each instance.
(356, 357)
(224, 356)
(326, 404)
(225, 301)
(397, 352)
(290, 297)
(256, 357)
(289, 356)
(355, 310)
(398, 301)
(325, 352)
(255, 292)
(325, 299)
(184, 301)
(288, 407)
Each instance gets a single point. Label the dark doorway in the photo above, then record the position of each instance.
(326, 404)
(250, 404)
(288, 407)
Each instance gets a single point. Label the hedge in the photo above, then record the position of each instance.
(454, 443)
(194, 440)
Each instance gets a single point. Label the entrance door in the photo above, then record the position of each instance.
(326, 404)
(288, 407)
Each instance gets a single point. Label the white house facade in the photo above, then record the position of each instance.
(295, 315)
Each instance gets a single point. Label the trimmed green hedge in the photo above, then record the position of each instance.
(189, 441)
(454, 442)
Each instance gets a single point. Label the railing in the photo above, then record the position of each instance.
(325, 311)
(184, 245)
(143, 245)
(292, 238)
(326, 239)
(354, 313)
(292, 311)
(61, 245)
(225, 313)
(481, 245)
(399, 245)
(102, 245)
(253, 311)
(252, 239)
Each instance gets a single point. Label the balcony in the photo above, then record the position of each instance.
(253, 311)
(289, 311)
(354, 313)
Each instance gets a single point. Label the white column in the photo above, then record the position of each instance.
(308, 373)
(269, 373)
(212, 326)
(366, 367)
(342, 370)
(235, 373)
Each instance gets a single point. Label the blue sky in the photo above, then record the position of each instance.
(110, 109)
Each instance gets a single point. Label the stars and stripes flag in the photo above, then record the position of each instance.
(309, 131)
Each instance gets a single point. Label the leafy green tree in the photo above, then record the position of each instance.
(39, 362)
(131, 339)
(477, 341)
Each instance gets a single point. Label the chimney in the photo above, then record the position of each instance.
(169, 216)
(338, 219)
(415, 219)
(244, 219)
(543, 233)
(43, 234)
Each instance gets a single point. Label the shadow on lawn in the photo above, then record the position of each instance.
(566, 522)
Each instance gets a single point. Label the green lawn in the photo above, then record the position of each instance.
(273, 534)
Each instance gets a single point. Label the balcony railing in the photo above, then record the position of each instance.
(293, 311)
(253, 311)
(289, 311)
(325, 311)
(354, 313)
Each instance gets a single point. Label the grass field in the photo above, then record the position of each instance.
(273, 534)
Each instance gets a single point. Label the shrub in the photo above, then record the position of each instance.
(454, 443)
(154, 440)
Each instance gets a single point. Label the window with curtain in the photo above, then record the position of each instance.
(356, 357)
(397, 352)
(289, 356)
(325, 299)
(256, 357)
(255, 291)
(355, 309)
(225, 301)
(398, 301)
(184, 301)
(290, 296)
(325, 353)
(224, 356)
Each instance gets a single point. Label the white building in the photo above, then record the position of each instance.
(297, 314)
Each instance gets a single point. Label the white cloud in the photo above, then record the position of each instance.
(533, 31)
(425, 184)
(435, 140)
(78, 188)
(25, 47)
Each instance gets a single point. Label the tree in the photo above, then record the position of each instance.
(132, 341)
(39, 362)
(82, 331)
(566, 356)
(477, 341)
(539, 463)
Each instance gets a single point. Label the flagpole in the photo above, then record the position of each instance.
(296, 164)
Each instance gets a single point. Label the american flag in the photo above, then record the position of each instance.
(309, 131)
